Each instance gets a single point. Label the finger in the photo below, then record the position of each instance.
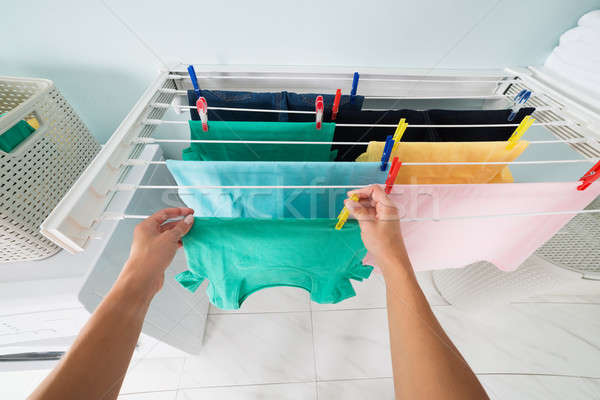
(181, 228)
(359, 211)
(362, 193)
(159, 217)
(167, 226)
(387, 212)
(366, 203)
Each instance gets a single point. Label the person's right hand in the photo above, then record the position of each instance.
(379, 224)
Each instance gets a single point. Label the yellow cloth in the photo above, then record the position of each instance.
(449, 152)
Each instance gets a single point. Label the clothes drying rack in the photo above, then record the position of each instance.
(572, 117)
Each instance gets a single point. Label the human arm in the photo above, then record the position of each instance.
(425, 362)
(96, 363)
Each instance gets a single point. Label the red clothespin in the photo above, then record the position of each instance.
(392, 174)
(202, 108)
(589, 177)
(319, 108)
(336, 104)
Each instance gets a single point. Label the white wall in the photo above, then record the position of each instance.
(102, 68)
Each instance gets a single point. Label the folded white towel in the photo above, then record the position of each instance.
(590, 19)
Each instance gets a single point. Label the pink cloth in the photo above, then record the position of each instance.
(503, 241)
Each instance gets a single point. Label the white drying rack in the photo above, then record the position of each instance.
(572, 117)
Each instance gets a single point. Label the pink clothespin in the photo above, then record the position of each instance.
(392, 174)
(589, 177)
(336, 104)
(319, 107)
(202, 108)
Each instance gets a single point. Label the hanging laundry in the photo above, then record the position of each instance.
(306, 102)
(266, 101)
(240, 256)
(409, 152)
(226, 98)
(270, 203)
(260, 131)
(415, 134)
(504, 241)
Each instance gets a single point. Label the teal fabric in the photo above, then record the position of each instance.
(239, 256)
(10, 139)
(261, 131)
(270, 203)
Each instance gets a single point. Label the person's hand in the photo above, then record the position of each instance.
(154, 246)
(379, 224)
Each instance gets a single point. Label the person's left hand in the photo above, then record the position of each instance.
(154, 246)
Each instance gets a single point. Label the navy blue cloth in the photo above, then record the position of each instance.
(226, 98)
(268, 101)
(428, 117)
(306, 102)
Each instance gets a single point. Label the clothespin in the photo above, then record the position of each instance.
(392, 174)
(194, 79)
(519, 132)
(336, 104)
(344, 214)
(387, 152)
(519, 100)
(354, 87)
(399, 132)
(202, 108)
(589, 177)
(319, 108)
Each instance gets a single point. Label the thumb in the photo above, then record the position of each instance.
(181, 228)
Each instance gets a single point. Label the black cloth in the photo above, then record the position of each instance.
(428, 117)
(367, 133)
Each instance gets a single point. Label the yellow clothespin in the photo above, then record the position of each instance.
(519, 132)
(344, 214)
(399, 132)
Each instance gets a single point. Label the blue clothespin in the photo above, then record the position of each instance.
(192, 73)
(387, 152)
(354, 87)
(519, 100)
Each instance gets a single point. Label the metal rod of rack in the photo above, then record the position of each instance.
(137, 162)
(348, 79)
(111, 216)
(152, 141)
(453, 97)
(552, 123)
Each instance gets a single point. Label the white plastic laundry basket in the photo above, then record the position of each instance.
(36, 174)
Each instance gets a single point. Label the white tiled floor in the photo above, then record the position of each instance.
(282, 346)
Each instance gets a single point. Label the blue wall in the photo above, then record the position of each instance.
(102, 68)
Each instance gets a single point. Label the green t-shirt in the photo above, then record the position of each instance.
(260, 131)
(239, 256)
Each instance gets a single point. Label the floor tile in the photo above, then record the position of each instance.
(39, 295)
(41, 327)
(151, 375)
(537, 387)
(559, 339)
(20, 384)
(288, 391)
(425, 279)
(148, 347)
(352, 344)
(253, 349)
(360, 389)
(167, 395)
(274, 299)
(370, 293)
